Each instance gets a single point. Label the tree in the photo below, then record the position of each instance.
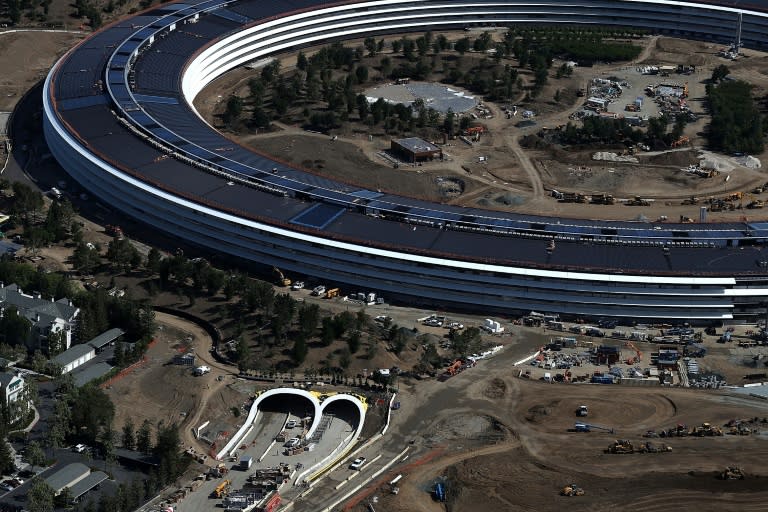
(144, 438)
(301, 61)
(128, 440)
(353, 341)
(85, 257)
(122, 254)
(309, 315)
(719, 73)
(462, 45)
(6, 458)
(233, 111)
(92, 410)
(40, 496)
(154, 260)
(243, 355)
(300, 350)
(35, 454)
(14, 328)
(57, 342)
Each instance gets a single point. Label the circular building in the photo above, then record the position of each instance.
(118, 116)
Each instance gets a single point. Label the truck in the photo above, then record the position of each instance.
(202, 370)
(245, 462)
(492, 326)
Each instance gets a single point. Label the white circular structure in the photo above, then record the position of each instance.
(118, 118)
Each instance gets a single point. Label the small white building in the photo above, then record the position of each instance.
(13, 392)
(74, 357)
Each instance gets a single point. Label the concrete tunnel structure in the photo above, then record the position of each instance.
(319, 402)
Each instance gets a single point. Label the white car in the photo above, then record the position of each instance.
(357, 463)
(291, 424)
(202, 370)
(293, 443)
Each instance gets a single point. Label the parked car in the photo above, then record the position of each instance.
(291, 424)
(357, 463)
(292, 443)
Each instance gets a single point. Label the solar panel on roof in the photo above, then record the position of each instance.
(82, 102)
(156, 99)
(318, 216)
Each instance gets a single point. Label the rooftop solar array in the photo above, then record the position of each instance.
(135, 66)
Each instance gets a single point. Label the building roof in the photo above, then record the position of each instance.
(84, 375)
(87, 483)
(417, 145)
(73, 354)
(67, 476)
(36, 309)
(106, 338)
(7, 377)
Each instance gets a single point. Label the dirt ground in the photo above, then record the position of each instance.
(37, 51)
(516, 452)
(162, 392)
(510, 178)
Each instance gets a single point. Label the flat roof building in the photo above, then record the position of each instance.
(74, 357)
(105, 338)
(413, 149)
(67, 476)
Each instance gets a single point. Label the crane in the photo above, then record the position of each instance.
(586, 427)
(638, 355)
(281, 279)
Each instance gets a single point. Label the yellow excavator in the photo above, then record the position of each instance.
(281, 279)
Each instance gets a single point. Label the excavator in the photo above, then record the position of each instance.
(638, 355)
(281, 279)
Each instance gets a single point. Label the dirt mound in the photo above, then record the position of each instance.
(496, 389)
(676, 158)
(471, 427)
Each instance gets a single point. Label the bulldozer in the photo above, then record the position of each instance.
(620, 446)
(572, 490)
(732, 473)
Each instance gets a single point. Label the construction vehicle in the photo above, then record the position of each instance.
(333, 292)
(706, 430)
(222, 489)
(638, 201)
(582, 411)
(114, 231)
(586, 427)
(638, 355)
(573, 197)
(682, 141)
(439, 492)
(649, 447)
(602, 199)
(690, 201)
(620, 446)
(755, 204)
(572, 490)
(732, 473)
(281, 279)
